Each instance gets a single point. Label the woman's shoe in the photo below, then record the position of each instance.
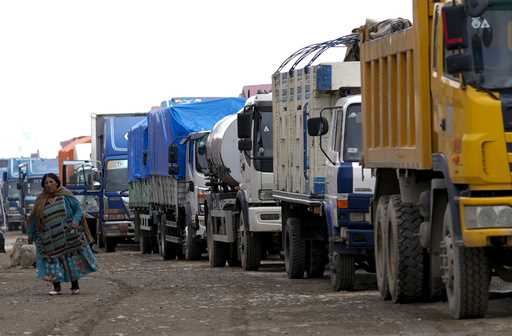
(54, 292)
(75, 291)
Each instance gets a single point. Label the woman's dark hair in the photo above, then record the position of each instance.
(53, 177)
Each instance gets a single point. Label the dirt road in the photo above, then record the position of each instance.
(135, 294)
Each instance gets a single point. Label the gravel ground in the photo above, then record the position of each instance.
(135, 294)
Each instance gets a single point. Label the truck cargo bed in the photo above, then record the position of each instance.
(396, 98)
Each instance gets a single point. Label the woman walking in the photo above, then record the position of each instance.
(62, 251)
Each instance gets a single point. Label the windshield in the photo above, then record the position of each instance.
(490, 39)
(201, 163)
(353, 134)
(43, 166)
(116, 175)
(34, 187)
(12, 190)
(263, 147)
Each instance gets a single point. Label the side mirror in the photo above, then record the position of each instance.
(4, 176)
(318, 126)
(244, 145)
(244, 123)
(459, 63)
(145, 158)
(475, 8)
(191, 186)
(454, 19)
(18, 186)
(173, 154)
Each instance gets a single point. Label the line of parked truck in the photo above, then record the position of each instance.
(395, 161)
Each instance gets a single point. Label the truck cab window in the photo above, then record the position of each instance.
(201, 163)
(352, 141)
(116, 175)
(339, 130)
(12, 190)
(263, 146)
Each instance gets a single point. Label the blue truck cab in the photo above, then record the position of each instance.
(324, 193)
(346, 192)
(110, 155)
(12, 194)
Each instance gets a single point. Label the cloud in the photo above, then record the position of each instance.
(63, 60)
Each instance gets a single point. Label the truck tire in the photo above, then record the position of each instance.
(145, 242)
(405, 255)
(110, 244)
(316, 260)
(295, 249)
(2, 243)
(217, 251)
(343, 272)
(249, 248)
(232, 255)
(167, 250)
(192, 245)
(216, 254)
(466, 275)
(154, 243)
(99, 235)
(381, 228)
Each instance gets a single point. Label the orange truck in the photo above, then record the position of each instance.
(74, 149)
(75, 170)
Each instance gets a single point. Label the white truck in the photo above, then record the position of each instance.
(243, 220)
(324, 193)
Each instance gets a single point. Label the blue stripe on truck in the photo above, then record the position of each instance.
(324, 77)
(345, 178)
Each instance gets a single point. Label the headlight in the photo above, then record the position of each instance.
(483, 217)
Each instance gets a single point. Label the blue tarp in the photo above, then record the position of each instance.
(116, 134)
(171, 125)
(184, 100)
(137, 146)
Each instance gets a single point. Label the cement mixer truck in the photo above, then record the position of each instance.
(243, 221)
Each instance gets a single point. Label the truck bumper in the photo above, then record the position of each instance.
(15, 218)
(477, 227)
(265, 219)
(123, 229)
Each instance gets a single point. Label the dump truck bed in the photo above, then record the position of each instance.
(397, 123)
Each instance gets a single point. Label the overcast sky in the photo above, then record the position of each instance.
(62, 60)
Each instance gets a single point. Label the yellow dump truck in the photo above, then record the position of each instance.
(437, 102)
